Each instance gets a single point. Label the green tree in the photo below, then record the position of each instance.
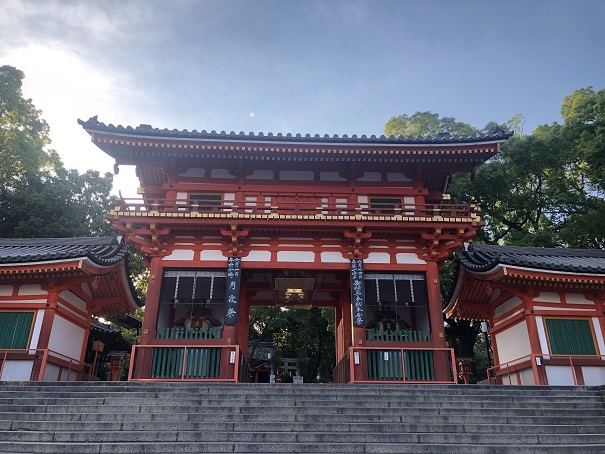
(38, 196)
(426, 124)
(23, 134)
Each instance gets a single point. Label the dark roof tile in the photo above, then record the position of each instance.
(103, 251)
(92, 124)
(480, 257)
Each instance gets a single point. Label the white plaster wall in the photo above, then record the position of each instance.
(193, 172)
(409, 203)
(296, 256)
(180, 254)
(51, 372)
(37, 327)
(32, 289)
(409, 258)
(66, 338)
(513, 342)
(297, 175)
(559, 375)
(510, 379)
(17, 370)
(577, 298)
(221, 173)
(593, 375)
(86, 289)
(331, 176)
(378, 257)
(371, 176)
(333, 257)
(259, 256)
(181, 196)
(598, 334)
(261, 175)
(507, 306)
(6, 290)
(548, 297)
(527, 377)
(542, 335)
(212, 255)
(74, 300)
(397, 176)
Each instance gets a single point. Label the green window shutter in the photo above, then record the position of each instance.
(384, 205)
(206, 201)
(570, 337)
(15, 328)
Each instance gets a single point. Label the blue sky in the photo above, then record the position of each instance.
(336, 67)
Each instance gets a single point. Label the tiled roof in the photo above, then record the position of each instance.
(92, 124)
(103, 251)
(479, 257)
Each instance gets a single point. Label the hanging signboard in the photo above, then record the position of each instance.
(358, 293)
(232, 290)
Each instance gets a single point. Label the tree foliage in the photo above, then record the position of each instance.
(307, 335)
(546, 189)
(543, 189)
(38, 196)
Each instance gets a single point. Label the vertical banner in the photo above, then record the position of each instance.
(358, 293)
(232, 290)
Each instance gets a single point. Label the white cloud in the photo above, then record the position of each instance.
(252, 114)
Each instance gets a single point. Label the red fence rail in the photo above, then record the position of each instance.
(153, 206)
(39, 359)
(503, 372)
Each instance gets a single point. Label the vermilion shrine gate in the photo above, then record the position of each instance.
(229, 221)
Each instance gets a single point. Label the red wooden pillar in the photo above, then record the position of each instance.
(46, 328)
(152, 306)
(441, 359)
(534, 339)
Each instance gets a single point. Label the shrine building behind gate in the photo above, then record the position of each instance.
(230, 221)
(545, 309)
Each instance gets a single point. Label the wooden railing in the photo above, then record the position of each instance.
(402, 335)
(311, 208)
(38, 359)
(542, 368)
(396, 365)
(185, 363)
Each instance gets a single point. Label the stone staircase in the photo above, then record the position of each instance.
(246, 418)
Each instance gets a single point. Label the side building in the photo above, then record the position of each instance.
(50, 288)
(545, 308)
(231, 221)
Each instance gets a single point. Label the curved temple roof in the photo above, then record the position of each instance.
(103, 251)
(480, 258)
(92, 125)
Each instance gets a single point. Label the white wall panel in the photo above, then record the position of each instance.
(593, 375)
(74, 300)
(6, 290)
(513, 342)
(333, 257)
(559, 375)
(17, 370)
(32, 289)
(180, 254)
(296, 256)
(506, 306)
(66, 338)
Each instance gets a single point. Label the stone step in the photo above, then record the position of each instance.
(303, 418)
(298, 437)
(364, 427)
(302, 403)
(275, 448)
(326, 411)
